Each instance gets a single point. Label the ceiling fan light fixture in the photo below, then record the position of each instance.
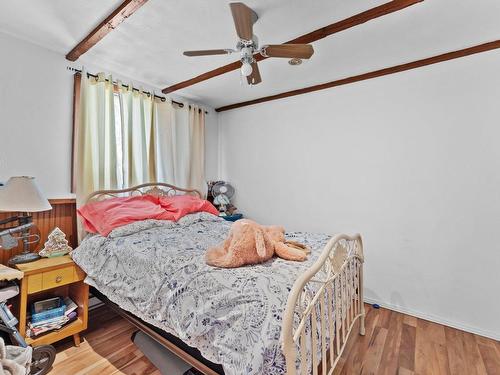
(248, 47)
(246, 69)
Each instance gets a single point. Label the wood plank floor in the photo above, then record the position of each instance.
(394, 344)
(401, 344)
(106, 349)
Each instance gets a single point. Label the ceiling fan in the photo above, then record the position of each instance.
(244, 18)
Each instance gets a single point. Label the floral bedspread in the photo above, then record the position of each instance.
(156, 271)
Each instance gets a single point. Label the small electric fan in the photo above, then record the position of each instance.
(222, 193)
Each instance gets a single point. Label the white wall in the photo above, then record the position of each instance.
(35, 115)
(36, 94)
(411, 161)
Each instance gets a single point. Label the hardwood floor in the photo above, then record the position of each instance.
(106, 349)
(394, 344)
(401, 344)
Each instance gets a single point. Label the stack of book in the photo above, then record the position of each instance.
(36, 328)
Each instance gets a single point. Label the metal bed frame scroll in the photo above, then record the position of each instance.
(324, 304)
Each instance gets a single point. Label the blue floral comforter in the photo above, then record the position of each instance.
(156, 271)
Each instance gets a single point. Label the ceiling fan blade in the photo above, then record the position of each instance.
(301, 51)
(244, 18)
(208, 52)
(255, 77)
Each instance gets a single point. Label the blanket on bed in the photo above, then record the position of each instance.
(156, 270)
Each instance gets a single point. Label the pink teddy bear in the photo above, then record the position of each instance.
(251, 243)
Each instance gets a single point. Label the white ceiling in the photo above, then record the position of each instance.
(148, 46)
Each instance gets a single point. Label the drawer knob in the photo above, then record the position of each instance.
(58, 279)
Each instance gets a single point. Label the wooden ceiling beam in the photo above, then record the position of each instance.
(120, 14)
(358, 19)
(377, 73)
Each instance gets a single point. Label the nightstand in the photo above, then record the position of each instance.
(51, 277)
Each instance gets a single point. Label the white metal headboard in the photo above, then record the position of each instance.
(151, 188)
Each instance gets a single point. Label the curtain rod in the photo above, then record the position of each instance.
(162, 98)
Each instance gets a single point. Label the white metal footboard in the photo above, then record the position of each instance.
(323, 305)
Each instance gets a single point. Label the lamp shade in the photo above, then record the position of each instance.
(21, 194)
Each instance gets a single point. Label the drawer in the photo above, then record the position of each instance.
(55, 278)
(34, 283)
(79, 274)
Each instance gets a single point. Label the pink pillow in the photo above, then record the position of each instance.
(104, 216)
(181, 205)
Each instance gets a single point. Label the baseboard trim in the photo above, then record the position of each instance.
(435, 319)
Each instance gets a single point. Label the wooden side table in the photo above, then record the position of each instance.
(52, 277)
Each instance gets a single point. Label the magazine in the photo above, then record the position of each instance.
(70, 314)
(70, 306)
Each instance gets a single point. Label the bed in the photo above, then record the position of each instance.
(274, 318)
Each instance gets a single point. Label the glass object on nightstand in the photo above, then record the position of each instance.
(232, 217)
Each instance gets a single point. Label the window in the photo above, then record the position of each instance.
(119, 138)
(133, 139)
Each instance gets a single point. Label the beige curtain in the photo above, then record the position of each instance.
(196, 168)
(126, 138)
(181, 151)
(138, 137)
(165, 124)
(96, 148)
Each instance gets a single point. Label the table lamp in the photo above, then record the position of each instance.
(21, 194)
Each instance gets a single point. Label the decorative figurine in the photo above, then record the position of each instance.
(56, 245)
